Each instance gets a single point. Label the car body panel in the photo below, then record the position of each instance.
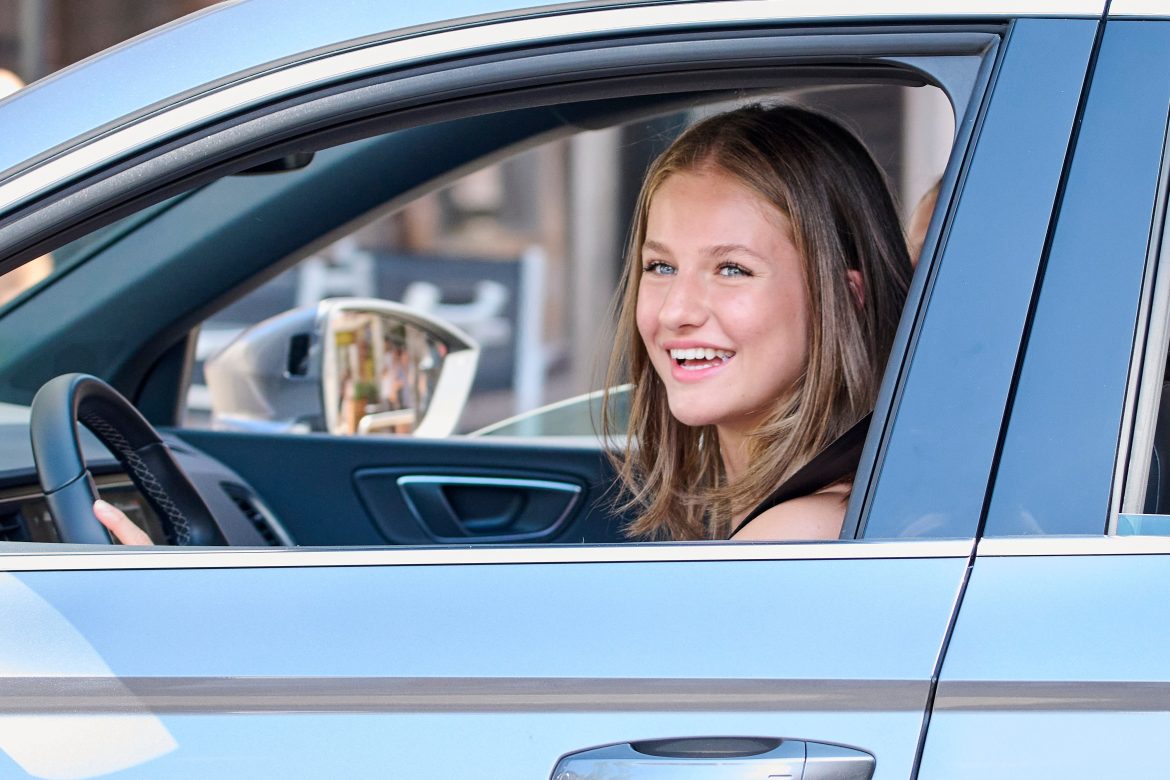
(446, 650)
(1059, 643)
(407, 667)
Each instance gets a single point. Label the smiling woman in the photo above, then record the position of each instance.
(765, 277)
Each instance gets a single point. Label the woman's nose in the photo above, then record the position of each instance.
(685, 303)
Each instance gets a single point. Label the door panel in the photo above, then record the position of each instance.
(413, 491)
(424, 670)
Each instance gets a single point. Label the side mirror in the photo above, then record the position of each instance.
(345, 366)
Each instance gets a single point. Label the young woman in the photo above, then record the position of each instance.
(765, 276)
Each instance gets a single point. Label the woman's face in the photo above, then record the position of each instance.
(721, 304)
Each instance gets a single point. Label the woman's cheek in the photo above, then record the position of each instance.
(646, 319)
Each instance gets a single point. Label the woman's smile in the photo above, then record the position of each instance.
(693, 363)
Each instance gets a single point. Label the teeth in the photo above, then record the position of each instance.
(700, 353)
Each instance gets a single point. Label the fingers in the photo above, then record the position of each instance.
(119, 525)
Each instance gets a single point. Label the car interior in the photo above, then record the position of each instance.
(141, 274)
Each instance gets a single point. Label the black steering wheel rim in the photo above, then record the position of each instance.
(57, 409)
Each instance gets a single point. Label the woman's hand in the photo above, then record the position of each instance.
(119, 525)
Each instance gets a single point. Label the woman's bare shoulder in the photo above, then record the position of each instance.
(815, 516)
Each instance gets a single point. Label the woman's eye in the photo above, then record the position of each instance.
(733, 269)
(657, 267)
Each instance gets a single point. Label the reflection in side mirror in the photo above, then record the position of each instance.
(391, 369)
(345, 366)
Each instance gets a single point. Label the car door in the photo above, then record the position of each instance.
(509, 662)
(1058, 657)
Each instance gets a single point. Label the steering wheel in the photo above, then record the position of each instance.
(67, 483)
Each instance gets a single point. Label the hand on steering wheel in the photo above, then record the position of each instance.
(68, 485)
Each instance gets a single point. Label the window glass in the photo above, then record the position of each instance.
(45, 268)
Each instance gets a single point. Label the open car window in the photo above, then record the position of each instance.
(524, 256)
(500, 222)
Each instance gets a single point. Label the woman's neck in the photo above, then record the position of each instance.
(733, 451)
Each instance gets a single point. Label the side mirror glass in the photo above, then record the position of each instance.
(346, 366)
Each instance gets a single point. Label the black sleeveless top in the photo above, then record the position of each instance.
(832, 464)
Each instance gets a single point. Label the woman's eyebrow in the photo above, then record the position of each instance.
(716, 250)
(655, 246)
(721, 250)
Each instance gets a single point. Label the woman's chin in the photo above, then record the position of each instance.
(692, 417)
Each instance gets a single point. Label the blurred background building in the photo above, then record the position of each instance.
(38, 37)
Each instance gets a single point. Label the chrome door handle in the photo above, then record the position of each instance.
(718, 758)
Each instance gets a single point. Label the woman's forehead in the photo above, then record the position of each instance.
(713, 201)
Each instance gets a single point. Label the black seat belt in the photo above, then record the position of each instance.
(832, 464)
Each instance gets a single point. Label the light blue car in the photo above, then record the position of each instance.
(436, 605)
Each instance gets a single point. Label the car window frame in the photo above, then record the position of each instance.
(968, 123)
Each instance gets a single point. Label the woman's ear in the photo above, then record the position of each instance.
(856, 286)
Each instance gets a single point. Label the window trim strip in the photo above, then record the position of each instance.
(1054, 546)
(53, 558)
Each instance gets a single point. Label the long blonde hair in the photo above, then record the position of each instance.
(843, 217)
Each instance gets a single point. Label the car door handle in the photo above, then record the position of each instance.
(457, 508)
(718, 758)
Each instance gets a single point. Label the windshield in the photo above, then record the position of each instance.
(19, 283)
